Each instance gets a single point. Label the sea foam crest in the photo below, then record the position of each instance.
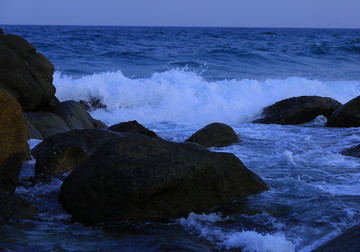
(204, 225)
(185, 97)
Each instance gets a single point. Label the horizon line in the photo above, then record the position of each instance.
(183, 26)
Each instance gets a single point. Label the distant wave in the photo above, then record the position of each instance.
(185, 97)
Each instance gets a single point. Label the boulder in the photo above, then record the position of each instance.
(133, 127)
(26, 74)
(352, 151)
(141, 178)
(60, 117)
(63, 152)
(75, 116)
(14, 148)
(46, 123)
(347, 115)
(12, 206)
(298, 110)
(346, 242)
(33, 133)
(215, 135)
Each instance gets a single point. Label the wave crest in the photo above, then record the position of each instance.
(186, 97)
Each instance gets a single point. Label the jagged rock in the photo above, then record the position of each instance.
(63, 152)
(215, 135)
(352, 151)
(346, 242)
(145, 179)
(297, 110)
(14, 148)
(133, 127)
(26, 74)
(348, 115)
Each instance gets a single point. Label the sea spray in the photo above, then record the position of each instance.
(185, 97)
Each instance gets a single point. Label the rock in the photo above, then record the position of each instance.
(215, 135)
(74, 115)
(297, 110)
(346, 242)
(141, 178)
(46, 123)
(12, 206)
(1, 31)
(353, 151)
(347, 115)
(33, 133)
(14, 148)
(133, 127)
(92, 104)
(26, 74)
(63, 152)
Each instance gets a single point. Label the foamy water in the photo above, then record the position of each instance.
(185, 97)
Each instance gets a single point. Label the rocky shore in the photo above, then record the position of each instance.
(126, 171)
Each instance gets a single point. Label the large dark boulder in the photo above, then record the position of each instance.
(63, 152)
(352, 151)
(26, 74)
(346, 242)
(12, 206)
(297, 110)
(133, 127)
(215, 135)
(144, 179)
(14, 148)
(347, 115)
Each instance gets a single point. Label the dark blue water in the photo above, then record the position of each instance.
(217, 53)
(176, 80)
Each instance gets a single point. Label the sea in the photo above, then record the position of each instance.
(175, 80)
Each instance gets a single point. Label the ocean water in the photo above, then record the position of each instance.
(177, 80)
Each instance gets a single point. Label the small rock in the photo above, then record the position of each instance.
(353, 151)
(348, 115)
(215, 135)
(133, 127)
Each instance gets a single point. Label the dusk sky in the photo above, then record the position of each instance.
(240, 13)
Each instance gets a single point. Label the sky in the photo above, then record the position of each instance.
(227, 13)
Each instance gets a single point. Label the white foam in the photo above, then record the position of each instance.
(185, 97)
(251, 241)
(204, 226)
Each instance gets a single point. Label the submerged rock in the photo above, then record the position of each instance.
(12, 206)
(352, 151)
(348, 115)
(133, 127)
(298, 110)
(26, 74)
(63, 152)
(215, 135)
(14, 148)
(346, 242)
(144, 179)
